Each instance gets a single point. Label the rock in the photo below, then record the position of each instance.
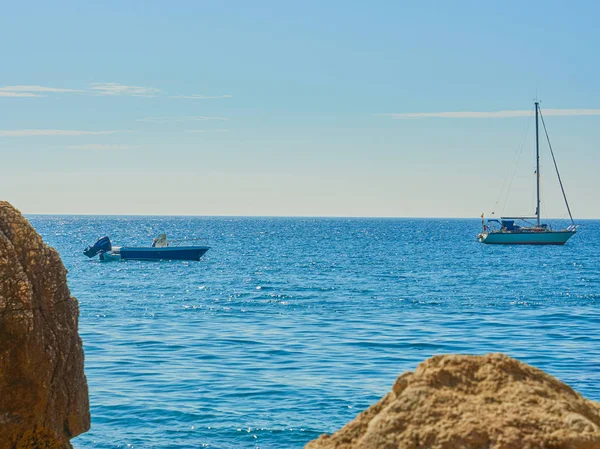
(43, 390)
(473, 402)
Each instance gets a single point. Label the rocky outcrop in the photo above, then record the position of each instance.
(43, 390)
(473, 402)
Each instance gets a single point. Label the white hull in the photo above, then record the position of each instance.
(526, 238)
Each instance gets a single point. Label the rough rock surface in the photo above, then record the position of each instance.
(43, 390)
(468, 402)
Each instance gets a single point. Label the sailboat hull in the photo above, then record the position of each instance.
(526, 238)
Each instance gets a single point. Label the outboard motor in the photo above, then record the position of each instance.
(102, 245)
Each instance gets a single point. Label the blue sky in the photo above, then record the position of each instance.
(294, 108)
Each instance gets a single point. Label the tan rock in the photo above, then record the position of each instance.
(473, 402)
(43, 389)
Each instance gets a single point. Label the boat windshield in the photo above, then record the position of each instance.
(160, 241)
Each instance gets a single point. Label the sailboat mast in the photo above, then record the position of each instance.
(537, 162)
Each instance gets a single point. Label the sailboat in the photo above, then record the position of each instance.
(506, 231)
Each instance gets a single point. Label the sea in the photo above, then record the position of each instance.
(289, 327)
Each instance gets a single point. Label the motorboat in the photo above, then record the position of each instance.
(159, 250)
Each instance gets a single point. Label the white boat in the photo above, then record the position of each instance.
(531, 231)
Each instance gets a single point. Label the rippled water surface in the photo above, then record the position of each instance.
(288, 327)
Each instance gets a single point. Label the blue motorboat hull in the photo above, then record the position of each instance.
(165, 253)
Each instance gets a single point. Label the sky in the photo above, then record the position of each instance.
(297, 108)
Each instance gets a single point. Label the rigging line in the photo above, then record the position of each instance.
(556, 167)
(514, 162)
(514, 166)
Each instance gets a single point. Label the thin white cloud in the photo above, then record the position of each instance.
(179, 119)
(208, 130)
(571, 112)
(496, 114)
(98, 89)
(112, 89)
(18, 94)
(92, 146)
(49, 132)
(25, 89)
(201, 97)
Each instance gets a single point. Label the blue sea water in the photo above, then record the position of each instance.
(289, 327)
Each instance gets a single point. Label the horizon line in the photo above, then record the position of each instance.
(475, 217)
